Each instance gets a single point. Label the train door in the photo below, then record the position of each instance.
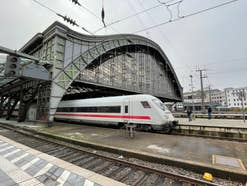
(126, 110)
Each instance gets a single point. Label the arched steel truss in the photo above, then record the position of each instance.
(64, 73)
(132, 68)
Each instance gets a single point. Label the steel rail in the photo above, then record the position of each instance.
(145, 169)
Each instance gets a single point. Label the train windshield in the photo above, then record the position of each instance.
(160, 104)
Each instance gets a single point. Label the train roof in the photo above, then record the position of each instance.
(101, 100)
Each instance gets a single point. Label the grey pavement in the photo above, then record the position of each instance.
(20, 165)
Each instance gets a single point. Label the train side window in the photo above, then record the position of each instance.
(145, 104)
(60, 109)
(126, 109)
(107, 109)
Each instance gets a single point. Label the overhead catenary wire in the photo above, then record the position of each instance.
(134, 9)
(169, 11)
(122, 35)
(153, 20)
(178, 8)
(91, 12)
(128, 17)
(156, 6)
(65, 18)
(201, 11)
(74, 23)
(148, 28)
(185, 16)
(161, 31)
(44, 6)
(168, 4)
(99, 18)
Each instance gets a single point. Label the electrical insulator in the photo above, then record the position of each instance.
(68, 19)
(76, 2)
(103, 16)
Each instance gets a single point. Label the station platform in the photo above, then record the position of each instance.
(21, 165)
(184, 149)
(217, 128)
(230, 123)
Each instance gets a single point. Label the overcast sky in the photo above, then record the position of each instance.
(215, 40)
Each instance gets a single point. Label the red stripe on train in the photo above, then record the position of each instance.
(106, 116)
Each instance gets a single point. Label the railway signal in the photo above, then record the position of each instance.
(12, 67)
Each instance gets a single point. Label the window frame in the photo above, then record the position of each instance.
(98, 109)
(145, 104)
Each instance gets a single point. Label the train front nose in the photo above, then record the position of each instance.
(170, 121)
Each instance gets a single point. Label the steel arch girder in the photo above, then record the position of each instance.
(65, 77)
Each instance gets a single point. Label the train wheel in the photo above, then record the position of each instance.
(167, 130)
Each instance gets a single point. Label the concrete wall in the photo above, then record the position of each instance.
(32, 112)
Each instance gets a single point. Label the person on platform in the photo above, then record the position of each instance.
(189, 114)
(209, 112)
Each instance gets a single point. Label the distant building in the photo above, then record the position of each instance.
(194, 100)
(215, 98)
(232, 98)
(219, 98)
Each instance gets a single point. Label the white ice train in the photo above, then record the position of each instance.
(146, 111)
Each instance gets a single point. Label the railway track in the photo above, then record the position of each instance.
(117, 169)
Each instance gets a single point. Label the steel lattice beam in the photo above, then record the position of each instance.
(72, 53)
